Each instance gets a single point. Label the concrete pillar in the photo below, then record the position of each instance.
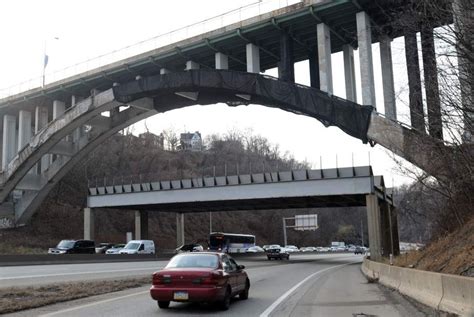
(385, 229)
(430, 70)
(253, 58)
(387, 78)
(180, 229)
(286, 67)
(373, 223)
(364, 38)
(89, 224)
(164, 71)
(393, 214)
(191, 65)
(222, 61)
(313, 59)
(349, 72)
(41, 121)
(59, 107)
(141, 225)
(24, 129)
(464, 23)
(324, 54)
(9, 146)
(414, 82)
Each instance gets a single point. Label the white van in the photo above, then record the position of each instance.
(139, 247)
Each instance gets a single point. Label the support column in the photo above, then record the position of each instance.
(180, 229)
(387, 78)
(141, 225)
(9, 146)
(24, 129)
(222, 61)
(164, 71)
(89, 224)
(393, 214)
(324, 54)
(349, 72)
(253, 58)
(364, 38)
(191, 65)
(373, 224)
(41, 120)
(313, 59)
(286, 67)
(59, 108)
(430, 70)
(385, 229)
(414, 82)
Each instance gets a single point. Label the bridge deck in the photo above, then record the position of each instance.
(337, 187)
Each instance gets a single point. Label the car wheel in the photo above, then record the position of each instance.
(225, 303)
(269, 258)
(245, 293)
(163, 304)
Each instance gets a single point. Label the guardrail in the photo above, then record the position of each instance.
(445, 292)
(228, 18)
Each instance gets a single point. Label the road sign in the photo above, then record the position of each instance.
(306, 222)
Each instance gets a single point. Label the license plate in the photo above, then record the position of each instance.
(181, 295)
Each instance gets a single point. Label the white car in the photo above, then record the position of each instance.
(115, 249)
(255, 249)
(139, 247)
(308, 249)
(292, 248)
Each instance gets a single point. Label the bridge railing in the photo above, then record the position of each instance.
(228, 18)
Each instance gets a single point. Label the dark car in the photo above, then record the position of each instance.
(359, 250)
(193, 247)
(278, 254)
(73, 247)
(200, 277)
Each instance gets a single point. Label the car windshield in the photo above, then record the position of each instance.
(132, 246)
(65, 244)
(193, 260)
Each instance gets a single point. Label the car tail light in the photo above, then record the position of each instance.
(161, 279)
(212, 279)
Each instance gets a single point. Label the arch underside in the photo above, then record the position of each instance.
(150, 95)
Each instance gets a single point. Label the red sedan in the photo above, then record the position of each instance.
(200, 277)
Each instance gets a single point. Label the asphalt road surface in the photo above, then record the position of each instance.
(307, 285)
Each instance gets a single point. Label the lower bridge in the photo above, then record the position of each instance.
(309, 188)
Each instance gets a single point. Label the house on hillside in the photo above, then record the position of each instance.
(190, 141)
(150, 139)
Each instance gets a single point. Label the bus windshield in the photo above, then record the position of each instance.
(231, 242)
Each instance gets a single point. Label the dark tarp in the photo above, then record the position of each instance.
(216, 86)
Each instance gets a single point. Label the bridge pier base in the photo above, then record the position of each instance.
(374, 225)
(141, 225)
(89, 224)
(179, 229)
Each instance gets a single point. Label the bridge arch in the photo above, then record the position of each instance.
(160, 93)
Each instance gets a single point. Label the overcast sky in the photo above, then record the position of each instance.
(90, 28)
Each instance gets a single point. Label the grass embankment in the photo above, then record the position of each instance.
(452, 254)
(20, 298)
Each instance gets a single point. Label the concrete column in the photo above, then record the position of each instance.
(394, 230)
(24, 129)
(385, 229)
(373, 223)
(141, 225)
(41, 121)
(9, 146)
(313, 59)
(164, 71)
(414, 82)
(349, 72)
(387, 78)
(191, 65)
(464, 23)
(435, 125)
(89, 224)
(253, 58)
(324, 54)
(364, 38)
(59, 107)
(286, 67)
(222, 61)
(180, 229)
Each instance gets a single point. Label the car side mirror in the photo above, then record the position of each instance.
(240, 267)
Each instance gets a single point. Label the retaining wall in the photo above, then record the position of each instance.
(445, 292)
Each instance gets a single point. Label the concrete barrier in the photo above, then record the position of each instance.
(446, 292)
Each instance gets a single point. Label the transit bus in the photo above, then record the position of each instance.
(231, 242)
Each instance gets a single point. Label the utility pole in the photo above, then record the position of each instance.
(284, 232)
(210, 222)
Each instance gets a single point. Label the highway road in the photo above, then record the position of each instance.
(307, 285)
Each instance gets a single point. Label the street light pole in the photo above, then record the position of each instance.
(284, 232)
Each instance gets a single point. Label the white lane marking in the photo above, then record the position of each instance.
(79, 273)
(270, 308)
(93, 304)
